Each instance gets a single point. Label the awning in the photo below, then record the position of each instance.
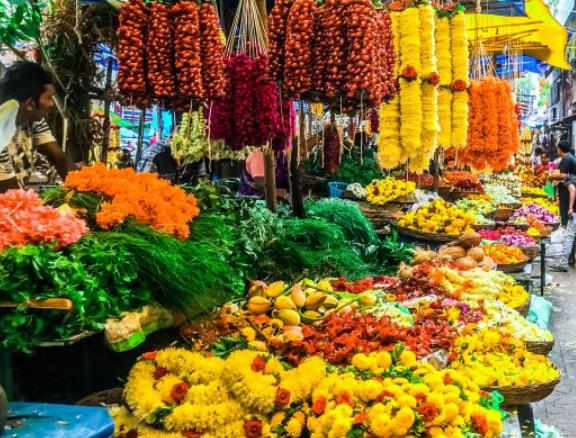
(497, 7)
(538, 34)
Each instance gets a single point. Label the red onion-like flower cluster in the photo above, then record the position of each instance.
(331, 149)
(187, 50)
(212, 51)
(159, 51)
(277, 20)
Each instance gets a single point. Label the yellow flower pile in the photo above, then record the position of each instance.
(460, 61)
(476, 284)
(174, 392)
(489, 359)
(439, 217)
(380, 192)
(440, 402)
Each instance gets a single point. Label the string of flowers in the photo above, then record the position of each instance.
(429, 75)
(24, 219)
(444, 56)
(460, 80)
(144, 197)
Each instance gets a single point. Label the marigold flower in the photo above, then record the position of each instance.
(258, 364)
(480, 423)
(179, 391)
(319, 405)
(344, 397)
(428, 411)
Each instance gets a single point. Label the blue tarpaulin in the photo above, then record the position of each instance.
(511, 8)
(507, 66)
(33, 420)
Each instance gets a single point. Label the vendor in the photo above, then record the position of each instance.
(252, 181)
(31, 86)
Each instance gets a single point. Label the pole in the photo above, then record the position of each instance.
(436, 168)
(270, 178)
(140, 135)
(295, 189)
(106, 122)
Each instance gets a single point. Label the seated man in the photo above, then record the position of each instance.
(31, 86)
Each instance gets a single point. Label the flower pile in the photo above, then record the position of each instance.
(490, 358)
(508, 235)
(551, 206)
(439, 217)
(24, 219)
(479, 208)
(143, 197)
(175, 392)
(504, 254)
(536, 212)
(380, 192)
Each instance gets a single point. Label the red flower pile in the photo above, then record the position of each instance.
(340, 336)
(24, 219)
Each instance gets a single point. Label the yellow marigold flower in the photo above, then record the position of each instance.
(293, 428)
(277, 418)
(343, 410)
(450, 411)
(406, 400)
(361, 361)
(380, 425)
(341, 427)
(249, 333)
(407, 358)
(369, 390)
(403, 421)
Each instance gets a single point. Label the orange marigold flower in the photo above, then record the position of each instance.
(409, 73)
(428, 411)
(179, 391)
(283, 397)
(258, 364)
(319, 405)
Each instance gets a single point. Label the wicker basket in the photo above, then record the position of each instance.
(523, 395)
(503, 214)
(421, 235)
(531, 252)
(512, 267)
(540, 347)
(524, 308)
(461, 194)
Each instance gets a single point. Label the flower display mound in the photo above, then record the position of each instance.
(175, 392)
(144, 197)
(24, 219)
(536, 212)
(438, 216)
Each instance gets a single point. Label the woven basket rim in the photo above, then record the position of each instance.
(431, 237)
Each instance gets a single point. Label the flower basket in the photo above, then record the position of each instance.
(424, 236)
(523, 395)
(531, 252)
(503, 214)
(462, 194)
(512, 267)
(524, 308)
(539, 347)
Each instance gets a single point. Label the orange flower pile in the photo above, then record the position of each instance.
(504, 254)
(492, 125)
(144, 196)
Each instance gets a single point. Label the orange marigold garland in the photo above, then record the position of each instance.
(492, 125)
(144, 196)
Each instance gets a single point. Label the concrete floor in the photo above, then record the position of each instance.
(559, 409)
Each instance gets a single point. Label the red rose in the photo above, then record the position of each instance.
(258, 364)
(409, 73)
(150, 355)
(160, 372)
(319, 405)
(191, 434)
(253, 429)
(428, 411)
(421, 397)
(397, 6)
(360, 418)
(458, 85)
(344, 397)
(283, 397)
(480, 424)
(447, 379)
(178, 392)
(434, 78)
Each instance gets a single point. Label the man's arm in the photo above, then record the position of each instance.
(572, 191)
(57, 157)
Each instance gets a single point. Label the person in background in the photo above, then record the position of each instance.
(537, 157)
(25, 156)
(566, 169)
(252, 182)
(570, 234)
(544, 165)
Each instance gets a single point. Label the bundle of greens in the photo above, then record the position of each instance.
(350, 170)
(99, 280)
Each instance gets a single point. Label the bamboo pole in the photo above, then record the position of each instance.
(106, 123)
(270, 178)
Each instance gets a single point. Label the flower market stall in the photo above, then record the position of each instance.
(392, 299)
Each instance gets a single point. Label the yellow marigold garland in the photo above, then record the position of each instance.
(444, 61)
(460, 79)
(410, 93)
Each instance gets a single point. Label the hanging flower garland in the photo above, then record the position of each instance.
(492, 125)
(444, 58)
(389, 148)
(429, 75)
(410, 93)
(460, 80)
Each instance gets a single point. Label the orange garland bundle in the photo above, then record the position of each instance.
(144, 196)
(492, 125)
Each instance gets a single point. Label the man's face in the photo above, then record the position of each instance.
(545, 159)
(33, 110)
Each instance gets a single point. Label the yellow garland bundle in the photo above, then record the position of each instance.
(410, 93)
(410, 39)
(395, 17)
(444, 61)
(389, 152)
(460, 80)
(430, 126)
